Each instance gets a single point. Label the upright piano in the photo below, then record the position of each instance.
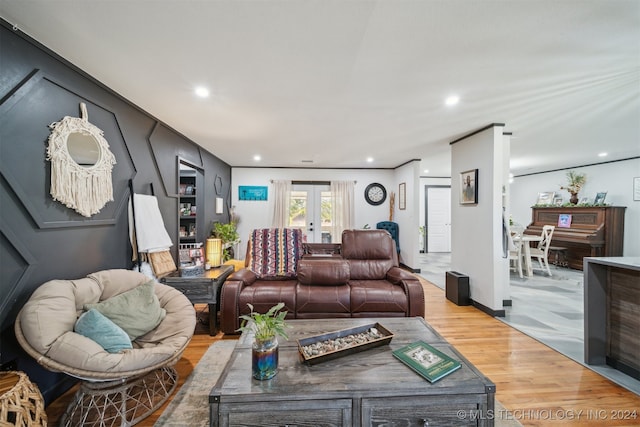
(593, 231)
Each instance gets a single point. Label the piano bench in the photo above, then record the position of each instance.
(560, 258)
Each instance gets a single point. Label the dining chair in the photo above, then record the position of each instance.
(541, 252)
(515, 252)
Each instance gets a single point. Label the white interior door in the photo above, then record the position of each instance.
(310, 211)
(438, 219)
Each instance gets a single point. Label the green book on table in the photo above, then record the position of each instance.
(426, 360)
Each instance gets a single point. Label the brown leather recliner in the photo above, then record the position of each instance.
(364, 281)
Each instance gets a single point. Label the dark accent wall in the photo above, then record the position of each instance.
(41, 239)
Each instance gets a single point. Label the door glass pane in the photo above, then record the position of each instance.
(298, 210)
(325, 216)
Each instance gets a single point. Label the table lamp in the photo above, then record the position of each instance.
(214, 252)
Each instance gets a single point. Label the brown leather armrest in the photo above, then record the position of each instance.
(412, 288)
(396, 275)
(229, 299)
(244, 275)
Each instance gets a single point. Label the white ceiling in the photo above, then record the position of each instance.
(337, 81)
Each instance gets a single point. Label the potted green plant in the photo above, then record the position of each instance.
(228, 233)
(575, 182)
(266, 329)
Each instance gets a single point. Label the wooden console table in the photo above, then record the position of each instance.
(362, 389)
(611, 305)
(202, 289)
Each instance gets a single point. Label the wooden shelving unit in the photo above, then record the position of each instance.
(188, 212)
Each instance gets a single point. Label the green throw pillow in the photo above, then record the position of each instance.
(137, 311)
(92, 324)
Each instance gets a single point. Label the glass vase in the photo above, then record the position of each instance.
(264, 360)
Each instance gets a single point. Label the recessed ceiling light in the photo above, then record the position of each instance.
(452, 100)
(602, 154)
(426, 171)
(369, 159)
(257, 158)
(202, 92)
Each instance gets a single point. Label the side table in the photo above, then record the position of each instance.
(204, 288)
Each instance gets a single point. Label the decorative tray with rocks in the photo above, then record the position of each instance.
(332, 345)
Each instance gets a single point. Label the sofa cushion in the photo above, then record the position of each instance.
(137, 311)
(323, 272)
(94, 325)
(265, 294)
(275, 252)
(322, 301)
(367, 245)
(377, 296)
(369, 252)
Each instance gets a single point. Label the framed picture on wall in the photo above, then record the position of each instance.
(252, 192)
(469, 187)
(402, 196)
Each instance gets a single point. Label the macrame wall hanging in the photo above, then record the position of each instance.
(81, 164)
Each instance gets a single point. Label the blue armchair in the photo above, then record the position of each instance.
(392, 228)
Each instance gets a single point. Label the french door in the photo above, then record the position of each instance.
(310, 211)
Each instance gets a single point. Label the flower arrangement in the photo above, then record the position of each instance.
(575, 182)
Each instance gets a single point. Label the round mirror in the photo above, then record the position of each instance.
(83, 149)
(81, 164)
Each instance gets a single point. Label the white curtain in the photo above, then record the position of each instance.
(342, 212)
(281, 200)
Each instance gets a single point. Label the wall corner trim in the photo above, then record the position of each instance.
(477, 131)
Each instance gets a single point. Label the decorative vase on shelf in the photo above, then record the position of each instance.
(574, 198)
(575, 182)
(264, 358)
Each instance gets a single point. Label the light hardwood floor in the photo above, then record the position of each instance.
(539, 385)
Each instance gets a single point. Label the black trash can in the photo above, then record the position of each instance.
(457, 288)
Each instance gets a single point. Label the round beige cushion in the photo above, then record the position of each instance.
(47, 320)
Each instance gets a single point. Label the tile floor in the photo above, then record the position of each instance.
(549, 309)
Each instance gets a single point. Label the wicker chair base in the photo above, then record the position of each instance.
(120, 403)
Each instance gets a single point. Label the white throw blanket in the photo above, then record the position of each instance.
(148, 233)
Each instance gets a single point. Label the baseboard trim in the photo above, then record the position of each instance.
(491, 312)
(413, 270)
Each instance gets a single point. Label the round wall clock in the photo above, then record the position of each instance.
(375, 194)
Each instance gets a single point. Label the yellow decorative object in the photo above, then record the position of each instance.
(214, 252)
(238, 264)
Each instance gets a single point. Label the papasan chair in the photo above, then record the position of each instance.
(126, 383)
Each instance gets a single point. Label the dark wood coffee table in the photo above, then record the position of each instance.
(362, 389)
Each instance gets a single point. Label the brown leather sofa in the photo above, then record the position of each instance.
(363, 280)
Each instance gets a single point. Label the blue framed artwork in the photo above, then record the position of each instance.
(252, 192)
(564, 220)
